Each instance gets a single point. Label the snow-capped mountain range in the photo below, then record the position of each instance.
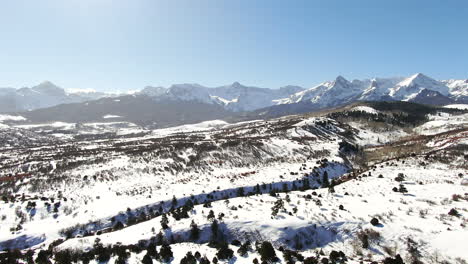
(234, 97)
(238, 98)
(46, 94)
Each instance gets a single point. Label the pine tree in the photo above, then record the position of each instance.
(43, 257)
(204, 260)
(211, 215)
(402, 189)
(164, 221)
(166, 253)
(102, 254)
(224, 252)
(194, 231)
(152, 251)
(331, 188)
(267, 252)
(325, 182)
(147, 259)
(160, 238)
(214, 231)
(188, 259)
(279, 204)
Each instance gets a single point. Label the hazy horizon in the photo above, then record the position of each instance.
(136, 89)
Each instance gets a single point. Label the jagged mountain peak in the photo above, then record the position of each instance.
(236, 84)
(49, 88)
(46, 83)
(418, 78)
(342, 80)
(412, 85)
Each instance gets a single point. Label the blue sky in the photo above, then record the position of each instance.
(125, 45)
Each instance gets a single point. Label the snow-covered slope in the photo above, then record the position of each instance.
(308, 184)
(458, 88)
(458, 106)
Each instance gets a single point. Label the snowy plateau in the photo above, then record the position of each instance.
(368, 182)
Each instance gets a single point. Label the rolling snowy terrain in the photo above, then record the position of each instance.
(375, 181)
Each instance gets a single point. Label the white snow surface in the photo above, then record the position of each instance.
(420, 215)
(364, 108)
(11, 118)
(101, 190)
(458, 106)
(442, 122)
(111, 116)
(198, 127)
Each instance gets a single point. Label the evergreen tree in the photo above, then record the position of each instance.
(63, 257)
(267, 252)
(279, 204)
(204, 260)
(188, 259)
(214, 230)
(147, 259)
(244, 249)
(224, 252)
(43, 257)
(325, 182)
(164, 221)
(211, 215)
(402, 189)
(166, 253)
(152, 251)
(102, 253)
(194, 231)
(160, 238)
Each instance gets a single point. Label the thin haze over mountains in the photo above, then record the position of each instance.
(237, 97)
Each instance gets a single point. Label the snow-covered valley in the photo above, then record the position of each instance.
(308, 185)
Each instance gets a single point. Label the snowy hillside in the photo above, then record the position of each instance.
(375, 181)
